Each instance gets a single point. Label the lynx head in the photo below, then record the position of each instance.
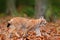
(10, 24)
(43, 21)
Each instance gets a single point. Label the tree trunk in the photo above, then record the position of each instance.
(11, 9)
(40, 8)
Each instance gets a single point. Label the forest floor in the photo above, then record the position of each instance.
(49, 32)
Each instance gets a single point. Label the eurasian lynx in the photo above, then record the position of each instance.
(26, 24)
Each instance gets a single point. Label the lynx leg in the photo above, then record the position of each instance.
(38, 33)
(25, 33)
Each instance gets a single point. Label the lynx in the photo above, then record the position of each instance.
(26, 24)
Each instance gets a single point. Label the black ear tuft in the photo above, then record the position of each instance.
(8, 24)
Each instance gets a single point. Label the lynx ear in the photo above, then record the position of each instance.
(9, 21)
(8, 24)
(41, 17)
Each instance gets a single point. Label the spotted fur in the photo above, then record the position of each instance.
(27, 24)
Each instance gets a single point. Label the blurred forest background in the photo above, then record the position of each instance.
(50, 9)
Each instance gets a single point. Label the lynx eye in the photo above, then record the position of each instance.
(43, 23)
(8, 24)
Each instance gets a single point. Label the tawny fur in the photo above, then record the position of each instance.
(25, 23)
